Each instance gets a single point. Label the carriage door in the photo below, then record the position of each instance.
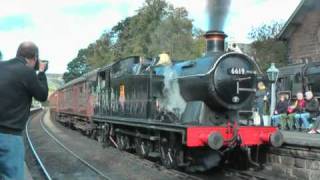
(103, 81)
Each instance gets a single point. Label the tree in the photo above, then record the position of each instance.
(134, 33)
(0, 55)
(101, 52)
(175, 35)
(266, 47)
(156, 27)
(77, 67)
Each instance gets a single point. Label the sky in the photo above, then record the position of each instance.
(61, 27)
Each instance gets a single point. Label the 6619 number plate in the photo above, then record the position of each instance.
(237, 71)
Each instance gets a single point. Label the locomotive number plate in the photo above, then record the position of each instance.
(237, 71)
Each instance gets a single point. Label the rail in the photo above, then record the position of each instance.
(43, 168)
(64, 147)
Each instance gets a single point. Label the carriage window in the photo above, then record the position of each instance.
(101, 82)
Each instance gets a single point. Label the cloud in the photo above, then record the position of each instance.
(62, 27)
(85, 9)
(10, 23)
(243, 14)
(246, 14)
(58, 34)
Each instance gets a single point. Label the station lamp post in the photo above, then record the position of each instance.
(273, 73)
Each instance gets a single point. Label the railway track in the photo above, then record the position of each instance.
(59, 162)
(54, 159)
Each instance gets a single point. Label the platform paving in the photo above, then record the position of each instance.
(301, 138)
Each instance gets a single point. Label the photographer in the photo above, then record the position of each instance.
(19, 83)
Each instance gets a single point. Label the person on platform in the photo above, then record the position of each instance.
(314, 110)
(312, 105)
(19, 83)
(280, 112)
(311, 110)
(260, 101)
(301, 115)
(294, 112)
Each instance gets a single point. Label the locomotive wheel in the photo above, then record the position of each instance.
(142, 147)
(123, 142)
(102, 137)
(169, 154)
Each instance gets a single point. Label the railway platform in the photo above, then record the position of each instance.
(298, 157)
(301, 139)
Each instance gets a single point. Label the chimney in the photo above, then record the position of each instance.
(215, 41)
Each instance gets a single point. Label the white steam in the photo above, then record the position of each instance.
(172, 101)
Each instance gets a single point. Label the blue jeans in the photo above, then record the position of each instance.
(11, 157)
(275, 119)
(304, 118)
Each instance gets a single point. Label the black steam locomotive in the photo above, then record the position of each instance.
(299, 77)
(184, 112)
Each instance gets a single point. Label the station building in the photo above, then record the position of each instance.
(302, 33)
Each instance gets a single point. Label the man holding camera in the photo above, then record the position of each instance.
(19, 83)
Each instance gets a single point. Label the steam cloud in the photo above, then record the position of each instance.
(173, 100)
(217, 11)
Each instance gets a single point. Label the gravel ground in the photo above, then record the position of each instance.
(59, 163)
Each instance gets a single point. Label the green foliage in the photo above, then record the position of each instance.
(54, 81)
(156, 27)
(77, 66)
(0, 55)
(267, 48)
(134, 34)
(175, 36)
(101, 52)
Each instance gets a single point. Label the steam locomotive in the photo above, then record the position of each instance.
(186, 113)
(299, 77)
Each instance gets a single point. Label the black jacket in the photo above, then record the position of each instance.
(18, 84)
(282, 107)
(312, 106)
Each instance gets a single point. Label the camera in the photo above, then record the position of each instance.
(46, 62)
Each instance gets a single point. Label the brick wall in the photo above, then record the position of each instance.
(304, 43)
(299, 163)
